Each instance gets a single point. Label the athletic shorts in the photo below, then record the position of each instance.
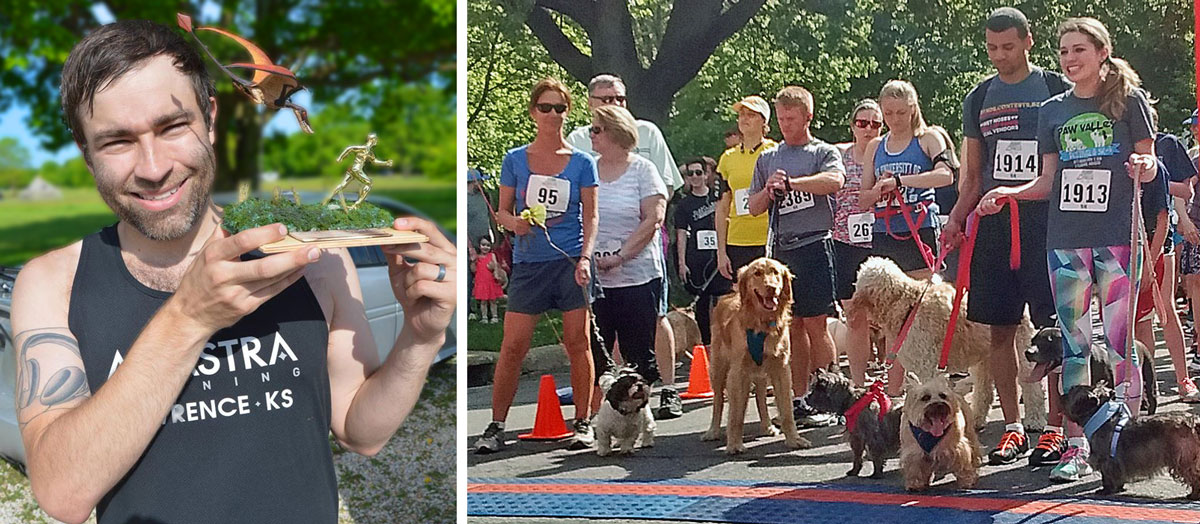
(998, 294)
(1189, 259)
(905, 252)
(740, 256)
(537, 287)
(846, 259)
(812, 278)
(1145, 304)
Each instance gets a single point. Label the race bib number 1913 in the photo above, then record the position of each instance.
(554, 193)
(1085, 190)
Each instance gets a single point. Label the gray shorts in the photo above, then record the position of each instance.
(536, 287)
(1189, 259)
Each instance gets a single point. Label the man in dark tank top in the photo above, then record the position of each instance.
(165, 373)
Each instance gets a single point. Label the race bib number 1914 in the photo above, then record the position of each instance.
(1015, 160)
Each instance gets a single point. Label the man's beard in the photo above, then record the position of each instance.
(169, 224)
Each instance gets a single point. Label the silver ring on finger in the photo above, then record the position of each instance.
(441, 273)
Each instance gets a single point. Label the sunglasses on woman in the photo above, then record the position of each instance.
(557, 108)
(863, 124)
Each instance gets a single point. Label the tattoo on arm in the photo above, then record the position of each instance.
(42, 352)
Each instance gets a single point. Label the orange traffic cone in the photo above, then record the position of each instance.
(698, 385)
(549, 424)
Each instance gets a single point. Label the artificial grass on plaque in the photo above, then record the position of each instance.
(255, 212)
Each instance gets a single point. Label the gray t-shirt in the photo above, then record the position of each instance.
(1091, 202)
(1007, 125)
(479, 219)
(801, 216)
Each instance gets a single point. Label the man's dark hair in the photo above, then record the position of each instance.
(115, 49)
(1005, 18)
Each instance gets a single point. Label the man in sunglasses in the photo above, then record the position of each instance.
(1000, 119)
(606, 90)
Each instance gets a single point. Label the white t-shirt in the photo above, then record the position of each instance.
(651, 145)
(620, 207)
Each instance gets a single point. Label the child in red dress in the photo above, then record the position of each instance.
(487, 286)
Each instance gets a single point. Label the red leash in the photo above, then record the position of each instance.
(906, 211)
(964, 267)
(963, 279)
(874, 394)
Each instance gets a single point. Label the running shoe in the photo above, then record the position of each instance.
(669, 405)
(1012, 445)
(808, 417)
(491, 441)
(1049, 449)
(1188, 391)
(584, 438)
(1072, 466)
(472, 316)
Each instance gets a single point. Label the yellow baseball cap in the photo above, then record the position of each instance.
(755, 103)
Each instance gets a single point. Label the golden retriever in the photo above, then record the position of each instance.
(761, 303)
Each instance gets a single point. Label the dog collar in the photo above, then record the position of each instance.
(875, 394)
(1102, 416)
(924, 438)
(754, 343)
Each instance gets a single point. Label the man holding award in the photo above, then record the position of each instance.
(166, 372)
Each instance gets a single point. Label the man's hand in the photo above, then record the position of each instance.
(723, 264)
(1147, 274)
(219, 289)
(1188, 230)
(990, 203)
(777, 183)
(683, 272)
(1141, 168)
(414, 269)
(952, 233)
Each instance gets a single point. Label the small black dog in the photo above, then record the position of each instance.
(1047, 356)
(1146, 446)
(831, 392)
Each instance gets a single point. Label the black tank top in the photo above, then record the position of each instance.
(248, 438)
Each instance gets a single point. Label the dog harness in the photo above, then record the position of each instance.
(875, 394)
(1102, 416)
(924, 438)
(754, 343)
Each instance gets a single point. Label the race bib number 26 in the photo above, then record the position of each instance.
(554, 193)
(860, 227)
(1085, 190)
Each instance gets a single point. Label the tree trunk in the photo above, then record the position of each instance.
(239, 141)
(694, 30)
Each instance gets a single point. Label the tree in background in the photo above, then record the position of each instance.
(841, 50)
(355, 52)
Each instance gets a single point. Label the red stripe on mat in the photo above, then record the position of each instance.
(1075, 509)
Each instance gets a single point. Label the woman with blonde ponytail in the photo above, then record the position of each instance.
(1096, 142)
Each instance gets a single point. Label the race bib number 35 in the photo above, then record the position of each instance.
(741, 201)
(795, 201)
(860, 227)
(706, 240)
(554, 193)
(1015, 160)
(1085, 190)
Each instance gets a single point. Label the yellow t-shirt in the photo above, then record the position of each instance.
(736, 166)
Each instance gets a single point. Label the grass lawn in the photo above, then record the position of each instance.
(487, 337)
(28, 229)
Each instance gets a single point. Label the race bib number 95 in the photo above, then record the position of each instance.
(1085, 190)
(554, 193)
(1015, 160)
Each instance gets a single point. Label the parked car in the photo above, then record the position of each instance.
(383, 312)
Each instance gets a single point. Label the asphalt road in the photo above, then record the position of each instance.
(680, 454)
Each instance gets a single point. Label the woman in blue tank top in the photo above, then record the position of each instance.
(901, 160)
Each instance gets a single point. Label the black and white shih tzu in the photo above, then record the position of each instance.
(624, 415)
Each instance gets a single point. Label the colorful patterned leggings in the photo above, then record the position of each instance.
(1072, 273)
